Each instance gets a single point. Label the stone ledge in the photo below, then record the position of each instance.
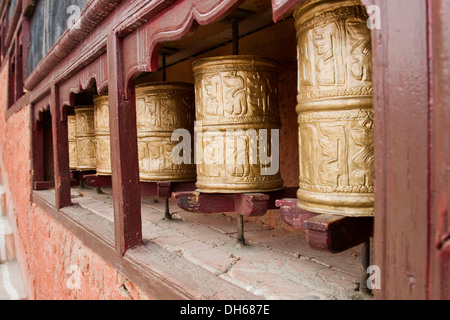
(196, 255)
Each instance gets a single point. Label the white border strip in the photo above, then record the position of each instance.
(6, 281)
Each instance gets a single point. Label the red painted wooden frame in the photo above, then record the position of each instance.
(111, 69)
(412, 124)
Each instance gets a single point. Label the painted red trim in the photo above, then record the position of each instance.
(124, 153)
(60, 152)
(92, 15)
(13, 25)
(172, 24)
(283, 7)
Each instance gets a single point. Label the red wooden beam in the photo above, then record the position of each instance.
(94, 13)
(282, 8)
(37, 133)
(247, 204)
(96, 72)
(96, 180)
(18, 77)
(13, 24)
(98, 19)
(160, 189)
(45, 185)
(177, 21)
(124, 152)
(401, 108)
(251, 204)
(439, 38)
(292, 214)
(204, 203)
(326, 232)
(337, 233)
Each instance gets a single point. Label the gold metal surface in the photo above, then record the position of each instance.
(162, 108)
(102, 135)
(71, 128)
(85, 135)
(235, 92)
(335, 108)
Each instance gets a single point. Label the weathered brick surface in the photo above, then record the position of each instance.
(66, 269)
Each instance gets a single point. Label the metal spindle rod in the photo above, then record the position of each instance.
(235, 35)
(164, 74)
(167, 215)
(365, 263)
(240, 226)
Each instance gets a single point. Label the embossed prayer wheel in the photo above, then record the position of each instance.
(71, 129)
(335, 110)
(162, 108)
(102, 135)
(85, 135)
(236, 107)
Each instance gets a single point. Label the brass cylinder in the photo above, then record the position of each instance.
(102, 135)
(236, 102)
(162, 108)
(85, 135)
(71, 129)
(335, 110)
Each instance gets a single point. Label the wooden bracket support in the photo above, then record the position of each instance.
(244, 204)
(337, 233)
(45, 185)
(161, 189)
(293, 215)
(326, 232)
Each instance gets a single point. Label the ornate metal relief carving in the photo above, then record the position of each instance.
(102, 135)
(71, 128)
(85, 135)
(236, 102)
(161, 109)
(335, 108)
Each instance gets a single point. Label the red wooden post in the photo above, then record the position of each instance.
(60, 151)
(440, 150)
(38, 151)
(18, 78)
(401, 107)
(124, 152)
(11, 80)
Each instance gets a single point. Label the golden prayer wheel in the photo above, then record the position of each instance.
(236, 107)
(71, 128)
(162, 108)
(85, 135)
(102, 135)
(335, 110)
